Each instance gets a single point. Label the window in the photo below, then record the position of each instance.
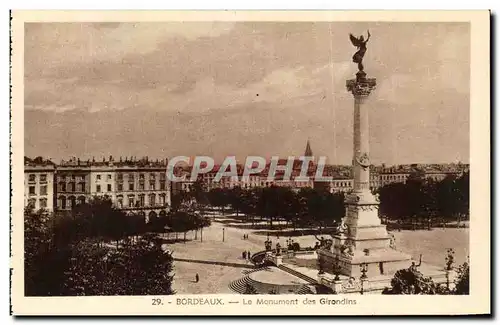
(131, 177)
(43, 203)
(73, 177)
(162, 185)
(32, 190)
(109, 187)
(141, 186)
(130, 186)
(141, 176)
(120, 187)
(98, 177)
(43, 178)
(72, 202)
(152, 185)
(72, 187)
(162, 175)
(152, 199)
(62, 187)
(63, 202)
(98, 188)
(119, 177)
(152, 176)
(162, 199)
(141, 200)
(32, 202)
(119, 202)
(43, 190)
(32, 178)
(109, 177)
(131, 200)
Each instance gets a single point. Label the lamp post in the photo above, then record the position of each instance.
(364, 269)
(337, 269)
(223, 233)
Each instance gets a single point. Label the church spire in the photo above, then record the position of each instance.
(308, 152)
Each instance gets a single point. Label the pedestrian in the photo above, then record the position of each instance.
(197, 278)
(248, 254)
(244, 254)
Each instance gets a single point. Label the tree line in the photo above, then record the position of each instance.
(305, 208)
(425, 201)
(96, 249)
(421, 200)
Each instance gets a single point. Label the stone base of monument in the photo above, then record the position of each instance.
(379, 262)
(375, 284)
(363, 241)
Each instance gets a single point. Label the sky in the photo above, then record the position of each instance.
(244, 88)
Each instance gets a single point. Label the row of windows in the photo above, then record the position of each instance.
(131, 176)
(141, 187)
(393, 177)
(131, 201)
(98, 177)
(141, 201)
(80, 187)
(43, 202)
(32, 190)
(65, 203)
(32, 178)
(71, 187)
(69, 178)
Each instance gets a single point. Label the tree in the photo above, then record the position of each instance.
(235, 199)
(148, 268)
(184, 221)
(320, 208)
(86, 273)
(462, 281)
(411, 282)
(218, 197)
(64, 254)
(36, 248)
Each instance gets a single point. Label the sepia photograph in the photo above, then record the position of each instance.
(303, 160)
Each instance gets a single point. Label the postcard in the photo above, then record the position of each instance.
(250, 163)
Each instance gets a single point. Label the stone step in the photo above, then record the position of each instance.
(239, 286)
(298, 274)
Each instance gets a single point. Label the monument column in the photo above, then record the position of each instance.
(361, 89)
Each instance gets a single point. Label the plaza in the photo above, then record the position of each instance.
(219, 262)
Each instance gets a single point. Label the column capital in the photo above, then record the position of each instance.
(361, 86)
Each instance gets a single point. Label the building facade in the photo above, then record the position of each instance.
(39, 185)
(138, 187)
